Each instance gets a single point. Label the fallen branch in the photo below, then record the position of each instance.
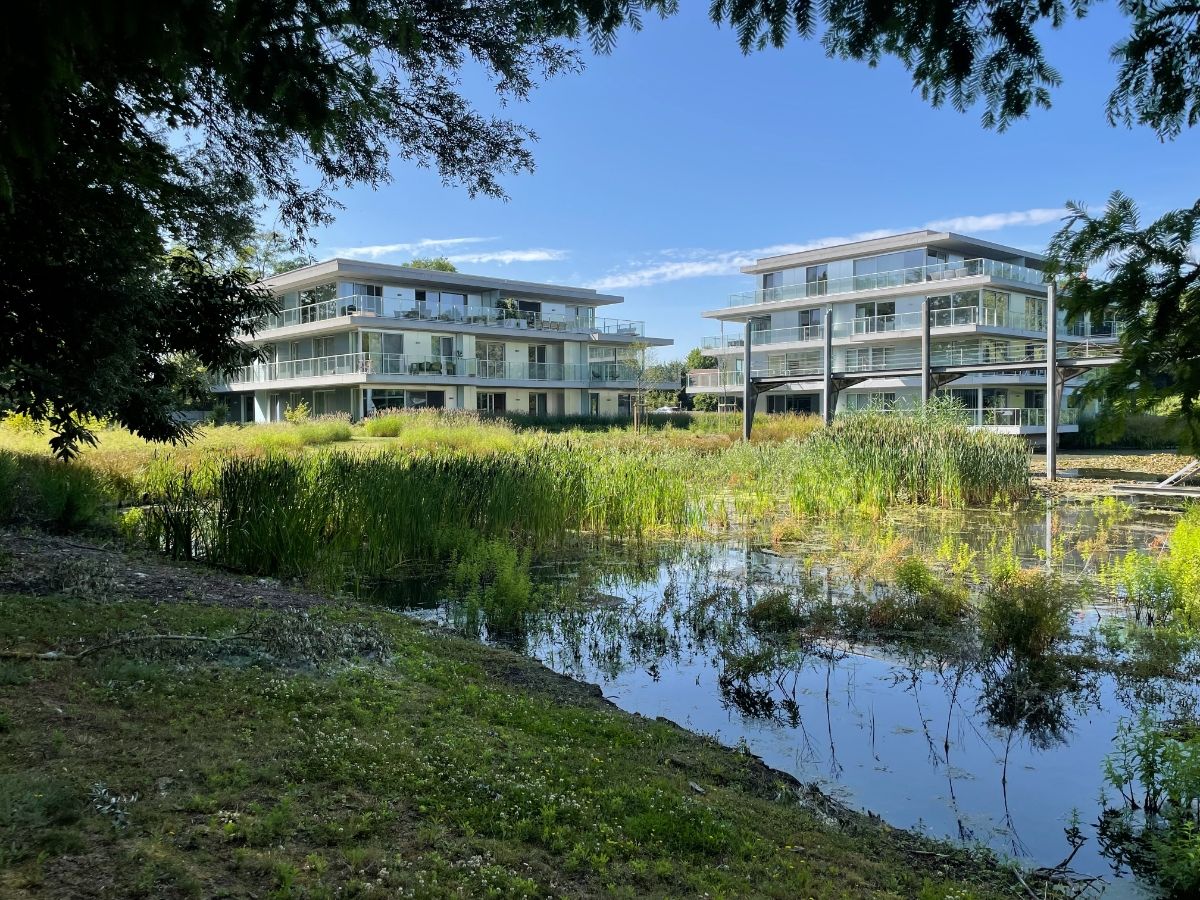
(59, 656)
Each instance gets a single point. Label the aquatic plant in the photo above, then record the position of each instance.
(1155, 768)
(1025, 615)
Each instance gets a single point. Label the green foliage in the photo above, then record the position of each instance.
(876, 459)
(48, 493)
(36, 815)
(775, 611)
(1025, 616)
(1163, 588)
(697, 359)
(1129, 431)
(1152, 284)
(1155, 767)
(298, 414)
(437, 263)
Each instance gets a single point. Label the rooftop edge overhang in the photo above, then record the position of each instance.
(910, 240)
(385, 273)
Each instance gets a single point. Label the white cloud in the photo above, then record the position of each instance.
(505, 257)
(996, 221)
(424, 245)
(704, 263)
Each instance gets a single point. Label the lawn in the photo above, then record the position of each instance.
(328, 749)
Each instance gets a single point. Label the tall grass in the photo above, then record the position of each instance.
(49, 494)
(877, 459)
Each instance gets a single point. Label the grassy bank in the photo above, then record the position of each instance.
(347, 752)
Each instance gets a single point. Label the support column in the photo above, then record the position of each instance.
(747, 387)
(1051, 382)
(925, 375)
(827, 398)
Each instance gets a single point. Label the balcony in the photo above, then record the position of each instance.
(939, 272)
(411, 310)
(799, 335)
(408, 365)
(963, 316)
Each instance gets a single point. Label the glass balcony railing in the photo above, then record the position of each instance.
(407, 365)
(798, 335)
(937, 272)
(496, 317)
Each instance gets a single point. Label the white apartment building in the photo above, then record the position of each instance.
(359, 337)
(986, 305)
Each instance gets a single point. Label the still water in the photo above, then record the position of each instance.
(912, 733)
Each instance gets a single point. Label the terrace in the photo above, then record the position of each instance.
(938, 272)
(412, 310)
(398, 365)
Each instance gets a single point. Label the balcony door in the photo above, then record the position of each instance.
(491, 358)
(537, 361)
(383, 352)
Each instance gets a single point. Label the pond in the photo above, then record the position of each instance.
(920, 731)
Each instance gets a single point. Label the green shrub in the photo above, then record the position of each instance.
(1025, 615)
(298, 414)
(775, 611)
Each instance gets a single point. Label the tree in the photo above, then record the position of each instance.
(269, 253)
(127, 130)
(1152, 285)
(987, 52)
(696, 359)
(437, 263)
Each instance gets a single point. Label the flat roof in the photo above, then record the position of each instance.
(909, 240)
(338, 267)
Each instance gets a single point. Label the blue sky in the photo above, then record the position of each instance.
(665, 166)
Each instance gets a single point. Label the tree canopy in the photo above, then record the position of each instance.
(437, 263)
(138, 143)
(138, 140)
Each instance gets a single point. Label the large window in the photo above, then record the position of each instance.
(387, 399)
(816, 280)
(959, 308)
(539, 404)
(772, 280)
(792, 403)
(872, 400)
(491, 358)
(491, 401)
(798, 363)
(861, 359)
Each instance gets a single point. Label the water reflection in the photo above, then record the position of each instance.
(931, 731)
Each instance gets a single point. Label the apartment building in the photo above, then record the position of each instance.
(986, 306)
(358, 338)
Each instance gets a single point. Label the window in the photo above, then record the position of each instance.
(809, 317)
(594, 404)
(491, 401)
(872, 400)
(387, 399)
(959, 308)
(441, 345)
(1035, 399)
(491, 358)
(426, 399)
(384, 352)
(537, 361)
(994, 398)
(869, 358)
(624, 404)
(816, 280)
(874, 316)
(796, 363)
(539, 404)
(366, 290)
(772, 280)
(792, 403)
(995, 308)
(323, 403)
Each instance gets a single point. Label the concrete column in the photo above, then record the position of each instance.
(925, 374)
(1051, 382)
(747, 387)
(827, 400)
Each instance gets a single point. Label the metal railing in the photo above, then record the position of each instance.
(497, 317)
(407, 364)
(898, 278)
